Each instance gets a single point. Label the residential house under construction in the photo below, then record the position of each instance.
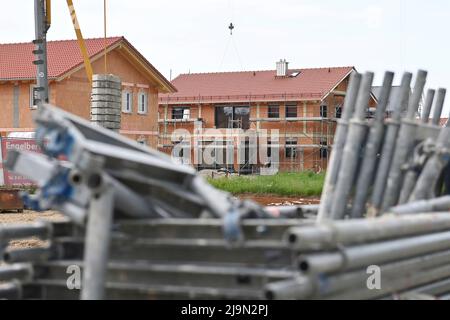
(302, 105)
(69, 87)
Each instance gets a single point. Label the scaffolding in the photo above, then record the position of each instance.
(304, 141)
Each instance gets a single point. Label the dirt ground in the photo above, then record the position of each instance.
(27, 217)
(273, 200)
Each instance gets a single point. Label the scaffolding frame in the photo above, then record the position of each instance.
(312, 156)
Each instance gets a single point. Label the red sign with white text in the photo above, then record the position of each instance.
(10, 178)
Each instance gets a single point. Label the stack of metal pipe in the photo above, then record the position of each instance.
(390, 160)
(141, 226)
(386, 257)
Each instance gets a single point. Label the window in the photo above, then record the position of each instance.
(273, 111)
(181, 113)
(232, 117)
(323, 111)
(339, 111)
(291, 111)
(143, 103)
(33, 96)
(127, 101)
(291, 148)
(269, 148)
(323, 150)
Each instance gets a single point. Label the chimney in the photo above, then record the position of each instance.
(282, 68)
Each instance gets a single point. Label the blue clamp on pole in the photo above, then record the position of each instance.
(232, 226)
(30, 202)
(60, 142)
(58, 189)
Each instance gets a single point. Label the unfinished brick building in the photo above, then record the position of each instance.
(302, 104)
(71, 90)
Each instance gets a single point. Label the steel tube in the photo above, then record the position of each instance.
(10, 290)
(365, 176)
(351, 232)
(435, 288)
(404, 145)
(321, 286)
(296, 288)
(439, 104)
(389, 146)
(374, 253)
(352, 148)
(38, 229)
(27, 255)
(397, 284)
(338, 145)
(431, 205)
(22, 272)
(97, 243)
(427, 106)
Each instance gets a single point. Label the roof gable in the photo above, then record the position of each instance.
(16, 59)
(64, 56)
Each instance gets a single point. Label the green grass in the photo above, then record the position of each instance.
(282, 184)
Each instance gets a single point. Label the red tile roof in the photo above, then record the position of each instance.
(309, 84)
(16, 59)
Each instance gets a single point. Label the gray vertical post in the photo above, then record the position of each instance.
(106, 101)
(427, 106)
(338, 146)
(439, 104)
(40, 27)
(372, 147)
(404, 145)
(389, 145)
(352, 149)
(97, 243)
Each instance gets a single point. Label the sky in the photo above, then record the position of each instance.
(180, 36)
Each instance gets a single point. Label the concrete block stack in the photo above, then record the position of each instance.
(106, 99)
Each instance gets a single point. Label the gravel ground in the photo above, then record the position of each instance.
(27, 217)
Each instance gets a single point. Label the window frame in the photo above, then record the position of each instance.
(144, 110)
(291, 105)
(323, 150)
(289, 148)
(125, 94)
(182, 108)
(271, 114)
(32, 105)
(323, 111)
(338, 111)
(234, 116)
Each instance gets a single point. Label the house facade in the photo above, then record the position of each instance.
(291, 112)
(70, 89)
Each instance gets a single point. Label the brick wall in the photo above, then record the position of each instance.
(73, 95)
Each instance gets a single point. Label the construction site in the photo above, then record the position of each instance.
(301, 124)
(104, 194)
